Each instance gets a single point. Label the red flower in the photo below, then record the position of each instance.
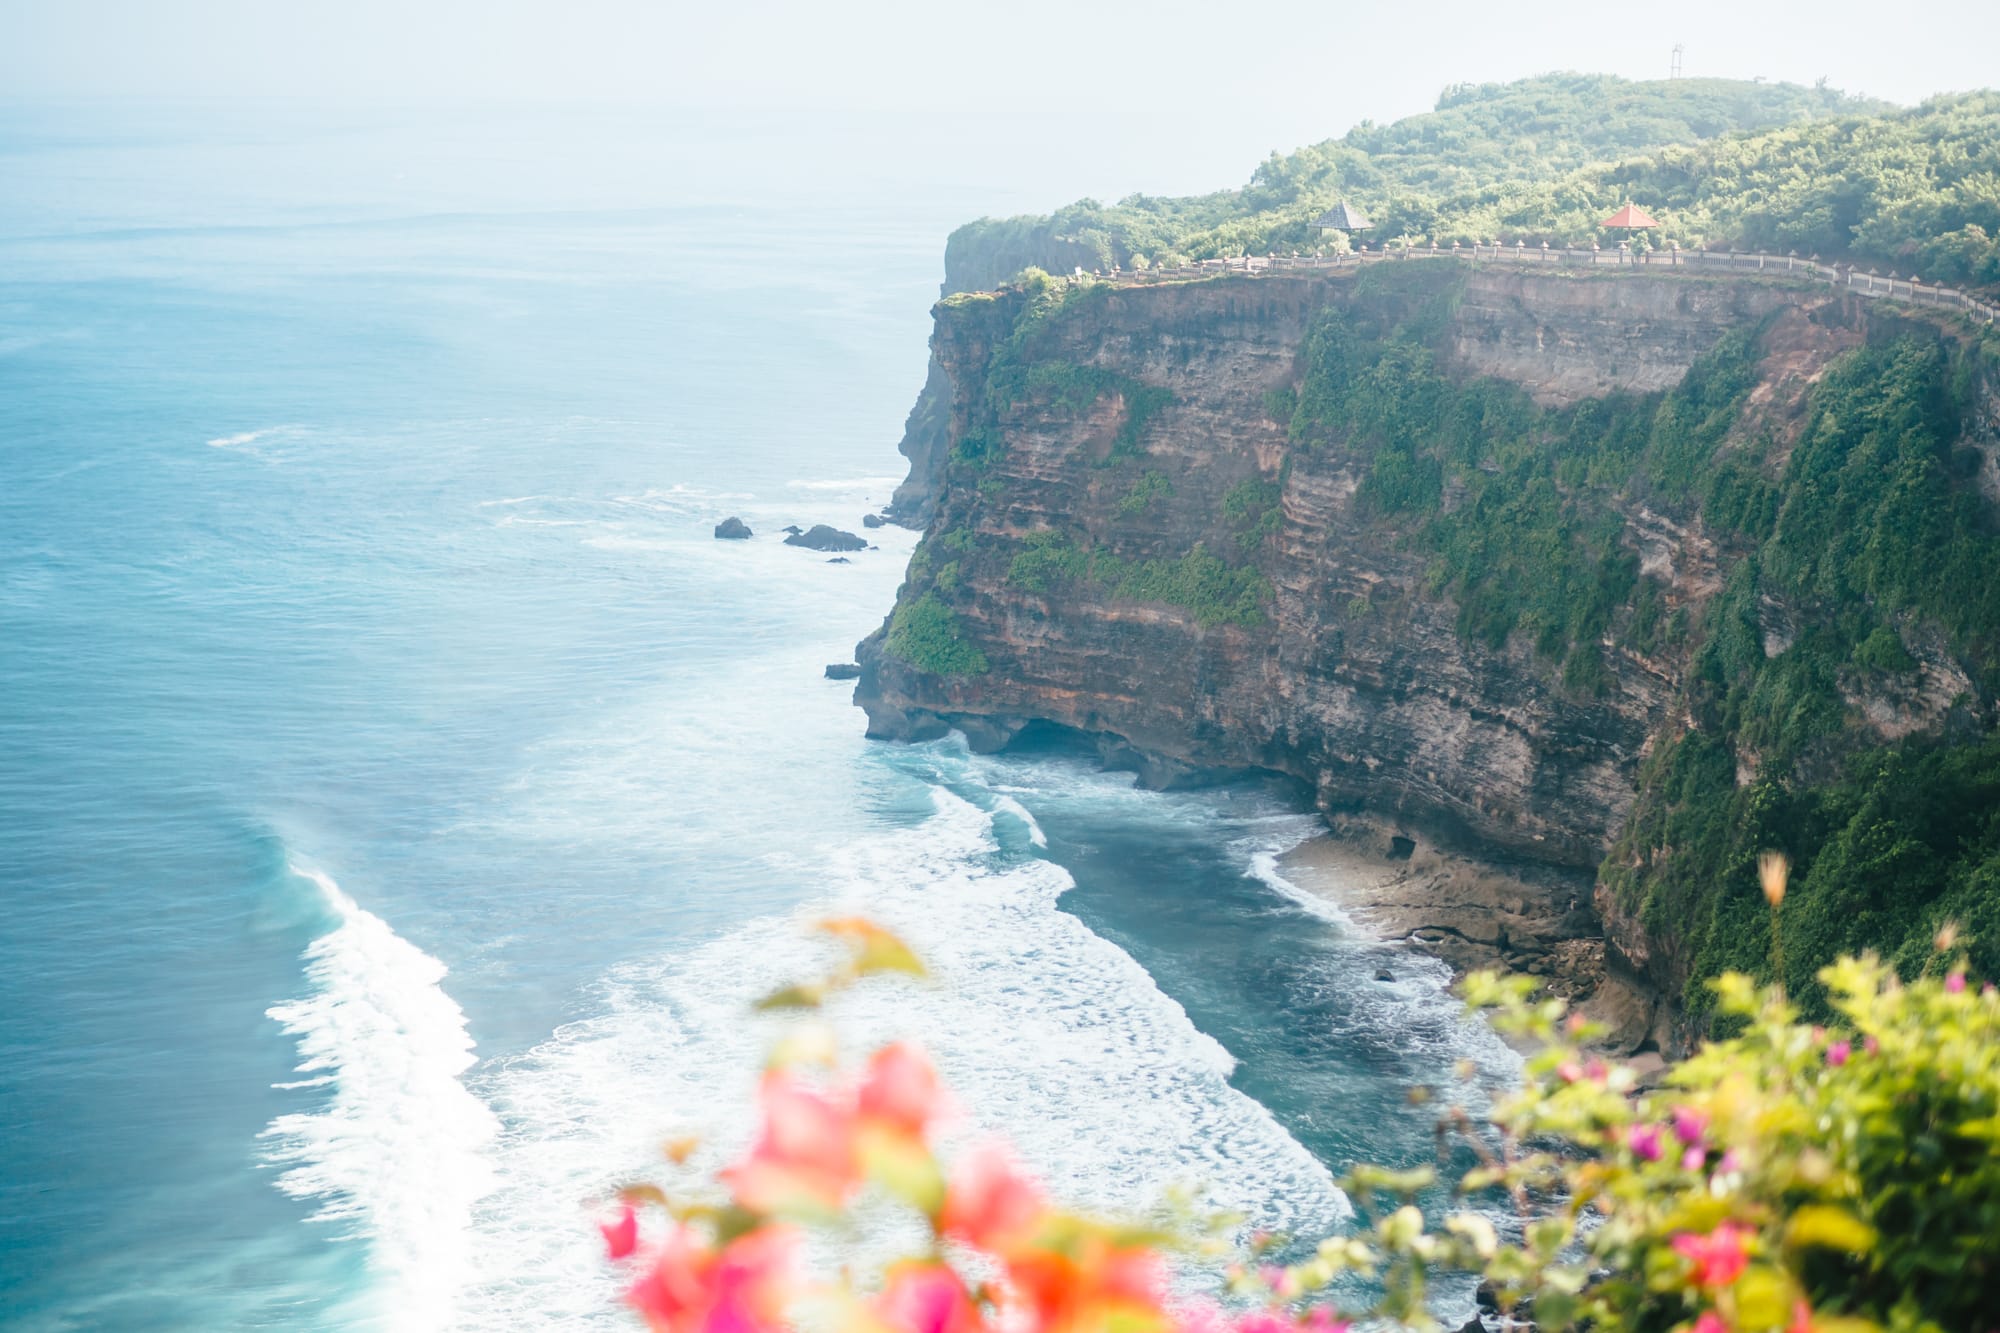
(1719, 1257)
(901, 1089)
(621, 1234)
(926, 1298)
(988, 1204)
(805, 1157)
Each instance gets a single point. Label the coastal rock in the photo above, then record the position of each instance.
(791, 529)
(840, 560)
(872, 520)
(842, 670)
(1150, 423)
(821, 537)
(732, 529)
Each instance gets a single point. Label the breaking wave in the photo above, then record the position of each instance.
(395, 1157)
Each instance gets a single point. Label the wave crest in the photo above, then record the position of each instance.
(396, 1156)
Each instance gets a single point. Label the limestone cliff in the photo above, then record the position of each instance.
(1184, 518)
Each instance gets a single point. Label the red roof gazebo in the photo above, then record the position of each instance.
(1630, 218)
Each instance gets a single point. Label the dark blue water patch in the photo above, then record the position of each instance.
(1333, 1031)
(139, 1065)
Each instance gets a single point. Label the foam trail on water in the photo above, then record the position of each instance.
(395, 1157)
(1264, 868)
(1050, 1035)
(248, 437)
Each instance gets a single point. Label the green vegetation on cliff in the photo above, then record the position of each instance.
(1877, 537)
(1521, 508)
(1199, 582)
(925, 633)
(1749, 165)
(1868, 539)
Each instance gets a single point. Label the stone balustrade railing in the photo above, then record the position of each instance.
(1622, 259)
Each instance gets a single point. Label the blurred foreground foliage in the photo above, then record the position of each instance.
(1791, 1178)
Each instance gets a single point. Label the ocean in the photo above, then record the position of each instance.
(402, 793)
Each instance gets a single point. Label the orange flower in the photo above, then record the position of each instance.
(988, 1204)
(927, 1298)
(805, 1157)
(1091, 1284)
(693, 1288)
(1719, 1257)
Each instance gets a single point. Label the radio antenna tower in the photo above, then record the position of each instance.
(1675, 71)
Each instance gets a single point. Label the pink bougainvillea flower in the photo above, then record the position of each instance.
(1955, 983)
(901, 1090)
(693, 1288)
(621, 1233)
(805, 1157)
(989, 1204)
(1645, 1142)
(1690, 1125)
(926, 1298)
(1836, 1054)
(1718, 1258)
(1710, 1322)
(1692, 1159)
(1870, 1045)
(1802, 1320)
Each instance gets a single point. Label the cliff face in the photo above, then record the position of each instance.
(1385, 708)
(1145, 522)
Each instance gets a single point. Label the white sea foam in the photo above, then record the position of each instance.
(248, 437)
(1051, 1035)
(1013, 807)
(847, 484)
(1264, 867)
(396, 1156)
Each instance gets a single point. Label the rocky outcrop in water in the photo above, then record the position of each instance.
(822, 537)
(732, 529)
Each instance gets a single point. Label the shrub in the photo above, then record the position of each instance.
(1217, 593)
(925, 633)
(1152, 485)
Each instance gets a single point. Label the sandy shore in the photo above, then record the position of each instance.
(1474, 914)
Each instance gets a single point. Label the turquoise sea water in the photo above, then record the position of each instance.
(401, 792)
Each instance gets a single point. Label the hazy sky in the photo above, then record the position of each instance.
(1317, 66)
